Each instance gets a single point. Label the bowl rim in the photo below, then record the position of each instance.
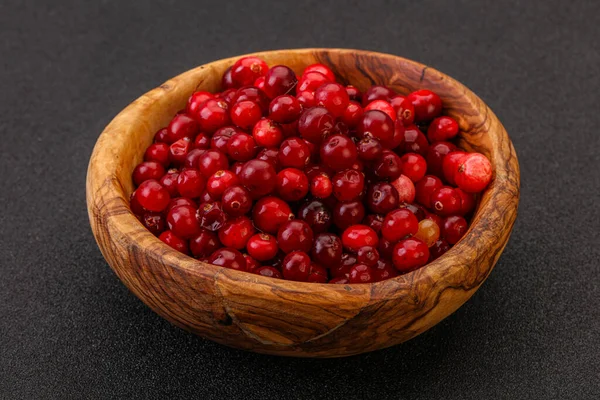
(135, 231)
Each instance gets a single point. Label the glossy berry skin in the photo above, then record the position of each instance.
(146, 171)
(320, 68)
(327, 249)
(236, 201)
(279, 80)
(175, 242)
(361, 273)
(161, 136)
(414, 166)
(354, 93)
(236, 232)
(454, 228)
(179, 150)
(352, 114)
(317, 274)
(267, 133)
(294, 152)
(212, 161)
(377, 92)
(346, 214)
(212, 115)
(228, 258)
(442, 129)
(296, 266)
(182, 125)
(190, 183)
(416, 209)
(367, 255)
(445, 201)
(450, 165)
(315, 124)
(428, 105)
(348, 184)
(295, 235)
(262, 246)
(154, 222)
(221, 137)
(399, 224)
(253, 94)
(227, 96)
(386, 248)
(382, 198)
(204, 244)
(245, 114)
(357, 236)
(435, 157)
(429, 232)
(343, 268)
(405, 111)
(152, 196)
(306, 99)
(474, 173)
(376, 124)
(374, 221)
(384, 270)
(410, 254)
(414, 141)
(405, 188)
(438, 249)
(388, 167)
(180, 201)
(369, 149)
(270, 155)
(311, 81)
(333, 97)
(316, 214)
(227, 81)
(270, 213)
(258, 177)
(241, 147)
(196, 100)
(285, 109)
(321, 186)
(467, 202)
(211, 216)
(247, 69)
(383, 106)
(182, 222)
(192, 158)
(425, 188)
(158, 152)
(292, 184)
(220, 181)
(269, 272)
(338, 152)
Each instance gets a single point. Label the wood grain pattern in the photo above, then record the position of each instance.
(291, 318)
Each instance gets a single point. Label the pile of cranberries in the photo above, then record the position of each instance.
(307, 179)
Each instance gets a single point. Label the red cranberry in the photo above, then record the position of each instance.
(220, 181)
(182, 125)
(376, 124)
(321, 68)
(158, 152)
(204, 244)
(386, 248)
(190, 183)
(161, 136)
(317, 274)
(146, 171)
(212, 115)
(270, 213)
(346, 214)
(152, 196)
(221, 138)
(211, 216)
(435, 218)
(251, 264)
(342, 269)
(237, 167)
(294, 152)
(474, 173)
(383, 106)
(279, 80)
(296, 266)
(212, 161)
(353, 93)
(333, 97)
(327, 249)
(467, 201)
(382, 198)
(262, 246)
(306, 98)
(154, 222)
(454, 228)
(169, 182)
(175, 242)
(228, 258)
(260, 83)
(338, 152)
(348, 184)
(438, 249)
(258, 177)
(367, 255)
(316, 214)
(361, 273)
(135, 205)
(383, 271)
(377, 92)
(315, 124)
(236, 232)
(374, 221)
(253, 94)
(450, 165)
(399, 224)
(245, 114)
(192, 157)
(267, 133)
(410, 254)
(284, 109)
(441, 129)
(321, 186)
(179, 150)
(414, 166)
(425, 188)
(227, 81)
(357, 236)
(290, 129)
(292, 184)
(270, 155)
(414, 141)
(196, 100)
(389, 166)
(269, 272)
(428, 105)
(435, 157)
(416, 209)
(227, 96)
(445, 201)
(247, 69)
(352, 115)
(311, 81)
(241, 147)
(405, 188)
(180, 201)
(236, 201)
(295, 235)
(405, 111)
(182, 222)
(369, 149)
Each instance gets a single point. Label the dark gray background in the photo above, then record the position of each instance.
(70, 329)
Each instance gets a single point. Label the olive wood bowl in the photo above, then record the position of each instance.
(281, 317)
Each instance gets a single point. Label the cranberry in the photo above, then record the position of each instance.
(438, 249)
(405, 188)
(270, 155)
(361, 273)
(154, 222)
(253, 94)
(245, 114)
(228, 258)
(382, 198)
(467, 201)
(342, 269)
(454, 228)
(474, 173)
(284, 109)
(212, 161)
(348, 184)
(346, 214)
(179, 150)
(267, 133)
(429, 232)
(251, 264)
(315, 170)
(338, 152)
(374, 221)
(152, 196)
(317, 274)
(389, 166)
(357, 236)
(292, 184)
(182, 125)
(260, 82)
(135, 205)
(399, 224)
(333, 97)
(161, 136)
(158, 152)
(386, 248)
(367, 255)
(180, 201)
(441, 129)
(410, 254)
(296, 266)
(369, 149)
(414, 141)
(270, 213)
(316, 214)
(236, 201)
(377, 92)
(321, 186)
(192, 157)
(220, 181)
(269, 272)
(450, 165)
(327, 249)
(221, 138)
(435, 157)
(295, 235)
(182, 222)
(428, 105)
(352, 114)
(211, 216)
(196, 100)
(425, 188)
(290, 129)
(237, 167)
(241, 147)
(262, 246)
(416, 209)
(315, 124)
(323, 69)
(204, 244)
(227, 96)
(384, 270)
(405, 111)
(377, 124)
(279, 80)
(146, 171)
(212, 115)
(445, 201)
(175, 242)
(306, 98)
(311, 81)
(414, 166)
(247, 69)
(236, 232)
(435, 218)
(353, 93)
(294, 152)
(383, 106)
(258, 177)
(190, 183)
(227, 81)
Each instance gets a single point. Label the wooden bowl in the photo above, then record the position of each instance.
(274, 316)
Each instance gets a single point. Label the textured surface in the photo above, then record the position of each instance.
(70, 329)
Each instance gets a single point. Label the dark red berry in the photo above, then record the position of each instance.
(435, 157)
(414, 141)
(236, 201)
(175, 242)
(220, 181)
(441, 129)
(211, 216)
(295, 235)
(192, 158)
(221, 137)
(384, 270)
(382, 106)
(346, 214)
(204, 244)
(258, 177)
(241, 147)
(296, 266)
(327, 249)
(377, 92)
(285, 109)
(146, 171)
(367, 255)
(152, 196)
(182, 222)
(228, 258)
(382, 198)
(212, 161)
(270, 213)
(438, 249)
(279, 80)
(338, 152)
(227, 80)
(158, 152)
(294, 152)
(154, 222)
(454, 228)
(389, 166)
(269, 272)
(399, 224)
(251, 93)
(428, 105)
(376, 124)
(410, 254)
(348, 184)
(369, 149)
(315, 124)
(292, 184)
(425, 188)
(180, 201)
(316, 214)
(247, 69)
(445, 201)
